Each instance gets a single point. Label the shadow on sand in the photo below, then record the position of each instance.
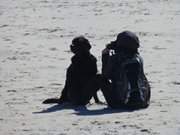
(83, 110)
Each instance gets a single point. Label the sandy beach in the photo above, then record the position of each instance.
(34, 53)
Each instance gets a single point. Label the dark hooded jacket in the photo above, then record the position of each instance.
(82, 69)
(124, 68)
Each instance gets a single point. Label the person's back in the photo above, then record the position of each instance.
(129, 82)
(82, 69)
(80, 72)
(124, 68)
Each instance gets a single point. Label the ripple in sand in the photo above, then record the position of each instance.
(12, 58)
(11, 91)
(75, 124)
(26, 34)
(155, 72)
(176, 83)
(161, 91)
(25, 53)
(44, 1)
(117, 122)
(5, 25)
(39, 87)
(53, 49)
(16, 103)
(99, 123)
(67, 51)
(26, 130)
(56, 84)
(145, 130)
(176, 101)
(48, 30)
(7, 39)
(67, 36)
(163, 111)
(159, 48)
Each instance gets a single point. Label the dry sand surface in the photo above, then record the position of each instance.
(34, 54)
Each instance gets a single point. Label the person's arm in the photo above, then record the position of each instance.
(107, 63)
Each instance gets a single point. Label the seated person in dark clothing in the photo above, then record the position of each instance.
(124, 82)
(79, 75)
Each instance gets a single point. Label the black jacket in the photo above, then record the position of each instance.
(82, 69)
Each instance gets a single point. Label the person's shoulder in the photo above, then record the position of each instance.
(134, 62)
(136, 59)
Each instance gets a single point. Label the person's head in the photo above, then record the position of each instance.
(80, 45)
(127, 41)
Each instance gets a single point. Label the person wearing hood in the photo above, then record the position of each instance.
(124, 83)
(81, 71)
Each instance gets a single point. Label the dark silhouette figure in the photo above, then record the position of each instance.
(79, 76)
(123, 81)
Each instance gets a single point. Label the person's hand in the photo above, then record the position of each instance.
(105, 51)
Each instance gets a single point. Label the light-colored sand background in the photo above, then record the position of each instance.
(34, 53)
